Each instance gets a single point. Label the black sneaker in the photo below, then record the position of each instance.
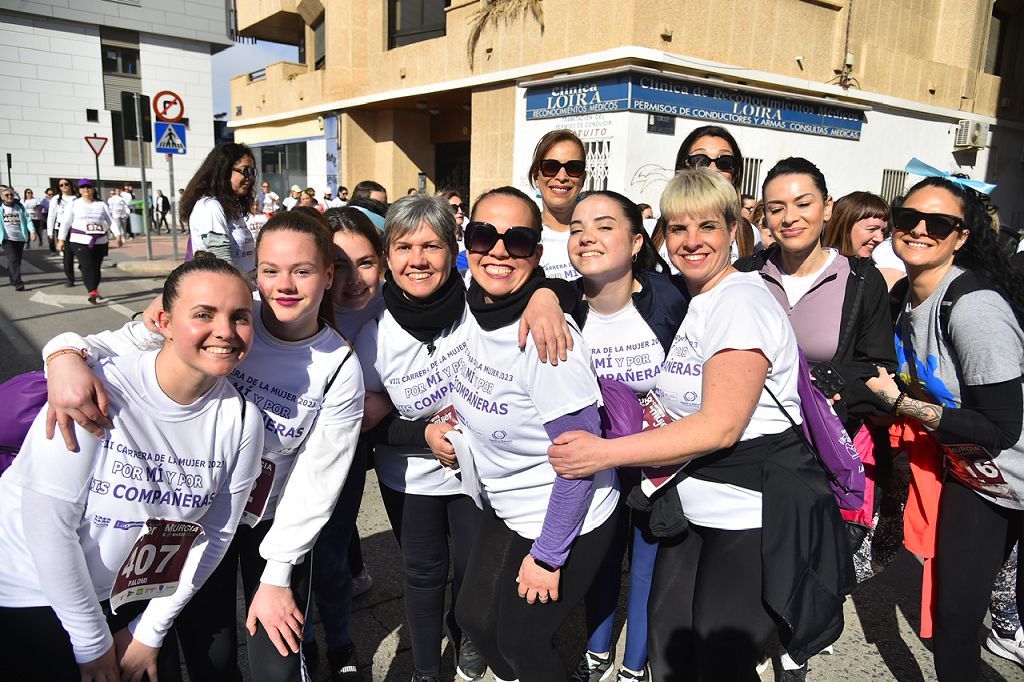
(420, 677)
(470, 664)
(797, 675)
(19, 287)
(342, 662)
(68, 285)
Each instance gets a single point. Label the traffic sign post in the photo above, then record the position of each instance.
(142, 170)
(96, 144)
(169, 134)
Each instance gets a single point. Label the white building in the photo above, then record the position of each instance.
(63, 65)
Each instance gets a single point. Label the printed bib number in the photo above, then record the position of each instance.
(153, 567)
(259, 495)
(11, 218)
(973, 466)
(95, 228)
(655, 416)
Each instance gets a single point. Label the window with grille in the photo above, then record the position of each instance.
(752, 177)
(122, 71)
(893, 182)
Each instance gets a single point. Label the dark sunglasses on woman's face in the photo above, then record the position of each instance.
(574, 169)
(457, 208)
(725, 163)
(520, 242)
(247, 172)
(937, 225)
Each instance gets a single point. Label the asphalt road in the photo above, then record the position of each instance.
(879, 642)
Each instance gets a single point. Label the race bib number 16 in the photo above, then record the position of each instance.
(153, 567)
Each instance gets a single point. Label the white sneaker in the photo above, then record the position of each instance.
(1010, 649)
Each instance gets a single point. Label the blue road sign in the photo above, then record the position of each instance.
(170, 138)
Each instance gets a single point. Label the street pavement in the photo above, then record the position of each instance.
(879, 642)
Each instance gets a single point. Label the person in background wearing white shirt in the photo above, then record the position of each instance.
(15, 235)
(182, 448)
(215, 204)
(330, 201)
(55, 217)
(84, 229)
(119, 210)
(760, 512)
(292, 200)
(307, 383)
(269, 200)
(558, 171)
(256, 219)
(32, 207)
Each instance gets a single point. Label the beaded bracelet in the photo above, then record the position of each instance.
(899, 401)
(80, 352)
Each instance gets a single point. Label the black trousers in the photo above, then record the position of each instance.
(89, 262)
(706, 620)
(35, 646)
(516, 638)
(13, 251)
(974, 538)
(208, 629)
(40, 227)
(423, 525)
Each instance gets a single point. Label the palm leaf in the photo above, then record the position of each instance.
(494, 12)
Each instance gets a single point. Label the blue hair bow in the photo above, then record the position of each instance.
(919, 167)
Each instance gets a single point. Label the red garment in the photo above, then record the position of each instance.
(865, 446)
(920, 518)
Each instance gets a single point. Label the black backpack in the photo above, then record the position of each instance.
(966, 283)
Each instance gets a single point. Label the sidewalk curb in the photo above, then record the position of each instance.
(148, 268)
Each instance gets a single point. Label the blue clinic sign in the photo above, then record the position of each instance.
(655, 94)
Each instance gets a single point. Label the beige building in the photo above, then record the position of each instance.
(432, 93)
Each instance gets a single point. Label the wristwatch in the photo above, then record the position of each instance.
(545, 565)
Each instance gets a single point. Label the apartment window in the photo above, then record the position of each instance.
(121, 60)
(410, 21)
(752, 176)
(893, 184)
(1004, 35)
(319, 44)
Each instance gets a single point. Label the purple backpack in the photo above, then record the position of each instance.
(24, 396)
(621, 414)
(826, 437)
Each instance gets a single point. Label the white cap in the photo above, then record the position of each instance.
(327, 190)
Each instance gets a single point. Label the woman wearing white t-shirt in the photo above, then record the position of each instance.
(743, 569)
(558, 171)
(306, 382)
(181, 447)
(541, 538)
(83, 227)
(630, 311)
(216, 202)
(58, 207)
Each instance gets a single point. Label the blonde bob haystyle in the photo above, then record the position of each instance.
(700, 191)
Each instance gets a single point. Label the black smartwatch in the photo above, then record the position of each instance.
(545, 565)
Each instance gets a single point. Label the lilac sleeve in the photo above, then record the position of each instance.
(569, 499)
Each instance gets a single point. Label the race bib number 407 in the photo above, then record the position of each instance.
(153, 567)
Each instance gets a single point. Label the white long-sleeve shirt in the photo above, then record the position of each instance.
(310, 394)
(55, 213)
(87, 222)
(69, 520)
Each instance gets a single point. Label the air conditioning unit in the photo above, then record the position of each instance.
(971, 135)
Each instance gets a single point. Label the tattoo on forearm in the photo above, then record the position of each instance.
(886, 400)
(926, 413)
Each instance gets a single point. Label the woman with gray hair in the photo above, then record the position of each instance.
(424, 325)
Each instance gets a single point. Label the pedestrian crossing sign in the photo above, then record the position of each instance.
(170, 138)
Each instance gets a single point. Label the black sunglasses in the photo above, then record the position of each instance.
(574, 169)
(247, 172)
(458, 207)
(725, 163)
(520, 242)
(937, 225)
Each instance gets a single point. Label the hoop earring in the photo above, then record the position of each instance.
(635, 255)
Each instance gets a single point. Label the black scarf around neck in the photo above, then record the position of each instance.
(426, 319)
(504, 311)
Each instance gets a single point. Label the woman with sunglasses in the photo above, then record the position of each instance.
(459, 208)
(760, 513)
(305, 380)
(960, 378)
(83, 229)
(630, 313)
(558, 171)
(216, 202)
(54, 219)
(541, 538)
(715, 147)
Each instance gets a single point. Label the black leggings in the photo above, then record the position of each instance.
(422, 525)
(706, 619)
(516, 638)
(89, 262)
(208, 630)
(35, 646)
(973, 540)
